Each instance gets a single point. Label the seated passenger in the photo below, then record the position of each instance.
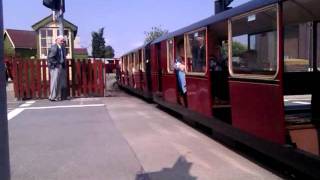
(198, 55)
(248, 60)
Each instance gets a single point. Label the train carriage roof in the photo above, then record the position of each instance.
(255, 4)
(136, 49)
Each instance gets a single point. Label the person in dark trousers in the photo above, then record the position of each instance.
(57, 67)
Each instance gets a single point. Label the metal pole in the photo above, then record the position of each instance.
(4, 141)
(61, 27)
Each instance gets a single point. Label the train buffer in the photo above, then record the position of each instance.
(116, 138)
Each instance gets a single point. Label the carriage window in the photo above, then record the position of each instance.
(297, 48)
(179, 49)
(196, 51)
(121, 65)
(130, 63)
(170, 55)
(136, 62)
(125, 63)
(254, 43)
(142, 65)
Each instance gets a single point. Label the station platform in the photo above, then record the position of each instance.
(116, 138)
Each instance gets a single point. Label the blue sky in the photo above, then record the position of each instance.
(125, 21)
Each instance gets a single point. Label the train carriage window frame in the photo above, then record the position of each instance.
(139, 60)
(125, 64)
(251, 16)
(130, 63)
(170, 60)
(133, 56)
(186, 40)
(297, 57)
(136, 62)
(122, 64)
(143, 63)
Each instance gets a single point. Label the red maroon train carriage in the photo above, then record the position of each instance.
(135, 71)
(242, 68)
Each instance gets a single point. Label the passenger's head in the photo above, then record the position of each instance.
(201, 41)
(60, 40)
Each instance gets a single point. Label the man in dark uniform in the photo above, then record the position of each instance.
(57, 67)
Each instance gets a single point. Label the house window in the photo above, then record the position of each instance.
(170, 55)
(196, 51)
(47, 39)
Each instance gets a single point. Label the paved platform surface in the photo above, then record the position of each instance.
(12, 103)
(116, 138)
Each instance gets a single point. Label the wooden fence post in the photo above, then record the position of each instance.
(15, 77)
(44, 79)
(32, 79)
(38, 71)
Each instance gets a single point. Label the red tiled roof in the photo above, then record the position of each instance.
(23, 39)
(82, 51)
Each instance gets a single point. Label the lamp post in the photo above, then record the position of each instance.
(58, 8)
(60, 17)
(4, 140)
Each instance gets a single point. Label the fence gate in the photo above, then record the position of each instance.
(31, 78)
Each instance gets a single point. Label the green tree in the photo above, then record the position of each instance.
(154, 34)
(98, 44)
(109, 52)
(238, 48)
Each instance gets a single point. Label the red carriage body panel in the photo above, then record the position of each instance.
(170, 88)
(199, 95)
(257, 110)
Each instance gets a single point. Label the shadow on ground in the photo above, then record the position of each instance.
(179, 171)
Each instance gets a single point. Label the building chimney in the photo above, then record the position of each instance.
(221, 5)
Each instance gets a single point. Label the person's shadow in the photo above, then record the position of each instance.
(179, 171)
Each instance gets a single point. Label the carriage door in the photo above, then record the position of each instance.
(255, 89)
(159, 67)
(148, 67)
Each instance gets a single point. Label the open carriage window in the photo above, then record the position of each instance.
(300, 28)
(136, 61)
(125, 63)
(179, 51)
(196, 51)
(130, 63)
(297, 47)
(121, 64)
(170, 55)
(253, 45)
(143, 61)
